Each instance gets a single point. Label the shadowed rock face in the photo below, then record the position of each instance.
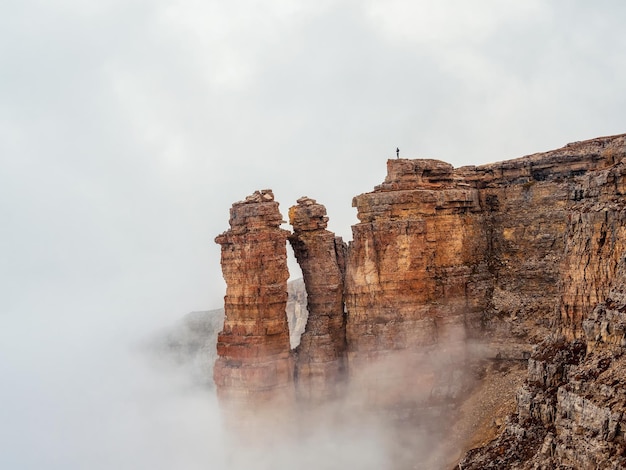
(255, 364)
(595, 241)
(571, 412)
(446, 257)
(320, 356)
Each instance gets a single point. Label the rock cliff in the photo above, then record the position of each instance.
(416, 276)
(449, 268)
(571, 410)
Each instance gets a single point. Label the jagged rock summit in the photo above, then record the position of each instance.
(449, 269)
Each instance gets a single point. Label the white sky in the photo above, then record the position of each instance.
(128, 128)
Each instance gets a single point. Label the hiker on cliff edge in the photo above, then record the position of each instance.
(397, 152)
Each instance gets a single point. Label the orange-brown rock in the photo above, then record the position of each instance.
(446, 263)
(255, 364)
(321, 354)
(595, 238)
(416, 276)
(483, 253)
(571, 412)
(544, 220)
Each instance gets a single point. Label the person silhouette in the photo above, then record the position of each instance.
(397, 152)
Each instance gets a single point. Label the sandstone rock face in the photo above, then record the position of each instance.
(532, 203)
(500, 255)
(571, 413)
(482, 252)
(255, 364)
(448, 267)
(595, 236)
(416, 276)
(320, 355)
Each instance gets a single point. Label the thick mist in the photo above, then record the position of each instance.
(82, 393)
(398, 412)
(84, 387)
(113, 403)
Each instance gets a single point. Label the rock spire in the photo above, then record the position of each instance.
(255, 363)
(320, 355)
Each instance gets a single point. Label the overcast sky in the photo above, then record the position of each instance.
(128, 128)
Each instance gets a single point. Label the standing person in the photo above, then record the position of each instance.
(397, 152)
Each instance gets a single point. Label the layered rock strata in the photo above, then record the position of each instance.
(321, 354)
(480, 253)
(416, 276)
(447, 266)
(595, 238)
(571, 412)
(255, 363)
(541, 213)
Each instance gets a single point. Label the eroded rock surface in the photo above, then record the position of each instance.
(447, 268)
(595, 238)
(570, 412)
(255, 364)
(417, 274)
(320, 356)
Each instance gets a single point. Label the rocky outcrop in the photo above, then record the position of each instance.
(484, 248)
(449, 267)
(255, 364)
(321, 353)
(416, 276)
(571, 413)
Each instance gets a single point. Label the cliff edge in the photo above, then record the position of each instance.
(450, 272)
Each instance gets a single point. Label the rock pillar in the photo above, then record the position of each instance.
(321, 255)
(255, 364)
